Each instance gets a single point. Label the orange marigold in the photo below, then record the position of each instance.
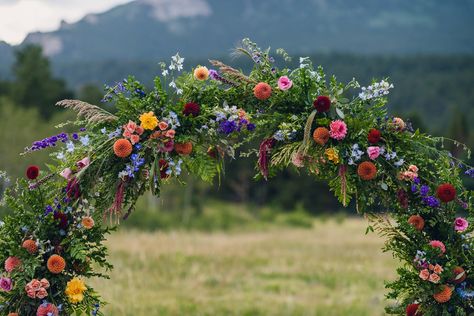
(417, 222)
(123, 148)
(444, 294)
(262, 91)
(321, 135)
(30, 246)
(56, 264)
(183, 148)
(367, 170)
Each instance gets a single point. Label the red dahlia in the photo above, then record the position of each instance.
(412, 310)
(322, 103)
(191, 108)
(32, 172)
(446, 192)
(374, 136)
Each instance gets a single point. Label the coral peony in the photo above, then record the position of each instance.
(75, 290)
(459, 275)
(321, 135)
(87, 222)
(201, 73)
(183, 148)
(191, 108)
(373, 152)
(163, 125)
(56, 264)
(374, 136)
(262, 91)
(297, 159)
(367, 170)
(12, 263)
(417, 222)
(6, 284)
(434, 278)
(338, 129)
(47, 309)
(322, 103)
(412, 310)
(30, 246)
(438, 244)
(460, 224)
(32, 172)
(446, 192)
(284, 83)
(122, 148)
(444, 294)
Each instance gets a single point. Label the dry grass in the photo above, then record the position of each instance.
(332, 269)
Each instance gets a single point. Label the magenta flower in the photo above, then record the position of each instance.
(460, 224)
(6, 284)
(284, 83)
(373, 152)
(338, 129)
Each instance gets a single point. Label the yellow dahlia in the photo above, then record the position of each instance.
(75, 290)
(332, 154)
(148, 121)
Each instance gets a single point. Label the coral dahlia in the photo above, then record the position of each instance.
(321, 135)
(56, 264)
(123, 148)
(367, 170)
(262, 91)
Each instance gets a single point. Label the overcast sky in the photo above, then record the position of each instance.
(19, 17)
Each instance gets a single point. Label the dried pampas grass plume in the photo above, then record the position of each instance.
(91, 113)
(230, 72)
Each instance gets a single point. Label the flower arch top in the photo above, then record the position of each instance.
(191, 122)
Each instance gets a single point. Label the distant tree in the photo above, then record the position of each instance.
(34, 85)
(90, 93)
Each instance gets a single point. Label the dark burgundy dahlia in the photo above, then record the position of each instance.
(322, 103)
(191, 108)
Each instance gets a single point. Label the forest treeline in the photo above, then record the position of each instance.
(434, 92)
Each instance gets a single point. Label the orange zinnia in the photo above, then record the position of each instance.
(444, 294)
(417, 222)
(183, 148)
(122, 148)
(56, 264)
(321, 135)
(30, 246)
(262, 91)
(367, 170)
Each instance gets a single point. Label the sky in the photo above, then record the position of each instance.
(20, 17)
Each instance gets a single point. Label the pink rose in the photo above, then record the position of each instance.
(338, 129)
(163, 125)
(134, 139)
(42, 293)
(130, 127)
(170, 133)
(35, 284)
(437, 269)
(139, 130)
(284, 83)
(413, 168)
(30, 292)
(83, 163)
(424, 274)
(44, 283)
(373, 152)
(434, 278)
(127, 134)
(6, 284)
(460, 224)
(66, 174)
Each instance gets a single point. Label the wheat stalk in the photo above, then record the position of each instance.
(231, 72)
(91, 113)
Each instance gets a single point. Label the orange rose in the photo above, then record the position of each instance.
(424, 274)
(434, 278)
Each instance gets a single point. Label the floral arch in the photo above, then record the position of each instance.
(53, 241)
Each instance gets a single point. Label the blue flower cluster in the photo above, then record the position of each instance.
(49, 142)
(229, 126)
(133, 167)
(464, 293)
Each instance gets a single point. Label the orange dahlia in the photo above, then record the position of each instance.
(56, 264)
(321, 135)
(444, 294)
(87, 222)
(201, 73)
(30, 246)
(262, 91)
(122, 148)
(367, 170)
(183, 148)
(417, 222)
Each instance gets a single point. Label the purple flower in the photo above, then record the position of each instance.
(227, 127)
(416, 180)
(6, 284)
(414, 188)
(460, 224)
(250, 127)
(424, 190)
(470, 172)
(431, 201)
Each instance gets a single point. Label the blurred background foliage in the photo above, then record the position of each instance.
(434, 92)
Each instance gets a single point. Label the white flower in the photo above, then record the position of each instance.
(70, 146)
(60, 155)
(165, 73)
(85, 140)
(179, 91)
(376, 90)
(103, 130)
(172, 84)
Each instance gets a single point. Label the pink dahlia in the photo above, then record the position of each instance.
(338, 129)
(12, 263)
(373, 152)
(438, 244)
(284, 83)
(460, 224)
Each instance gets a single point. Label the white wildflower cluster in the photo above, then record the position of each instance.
(174, 168)
(4, 177)
(172, 120)
(175, 65)
(287, 130)
(376, 90)
(230, 113)
(305, 63)
(355, 154)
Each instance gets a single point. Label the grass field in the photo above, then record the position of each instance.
(331, 269)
